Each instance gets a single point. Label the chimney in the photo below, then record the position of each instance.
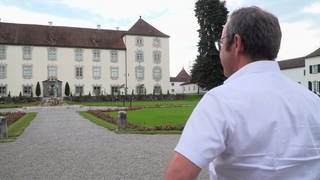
(50, 23)
(98, 26)
(117, 28)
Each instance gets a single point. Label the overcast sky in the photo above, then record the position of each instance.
(299, 20)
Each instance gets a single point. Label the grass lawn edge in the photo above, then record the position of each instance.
(18, 127)
(113, 127)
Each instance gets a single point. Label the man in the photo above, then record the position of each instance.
(258, 124)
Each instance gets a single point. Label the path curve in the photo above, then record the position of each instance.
(60, 144)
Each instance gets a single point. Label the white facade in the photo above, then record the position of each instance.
(87, 70)
(313, 75)
(176, 88)
(304, 70)
(148, 64)
(189, 88)
(296, 74)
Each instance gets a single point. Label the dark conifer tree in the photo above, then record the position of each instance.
(207, 71)
(67, 89)
(38, 89)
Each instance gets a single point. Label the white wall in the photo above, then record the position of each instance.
(148, 63)
(65, 64)
(312, 61)
(296, 74)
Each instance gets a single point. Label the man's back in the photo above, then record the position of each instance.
(274, 131)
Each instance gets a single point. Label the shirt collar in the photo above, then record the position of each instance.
(255, 67)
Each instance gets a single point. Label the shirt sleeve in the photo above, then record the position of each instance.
(205, 133)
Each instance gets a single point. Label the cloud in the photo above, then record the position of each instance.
(298, 39)
(124, 9)
(170, 17)
(174, 18)
(313, 8)
(17, 15)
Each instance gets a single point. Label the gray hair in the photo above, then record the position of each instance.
(259, 31)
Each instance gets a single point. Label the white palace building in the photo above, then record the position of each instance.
(95, 61)
(304, 70)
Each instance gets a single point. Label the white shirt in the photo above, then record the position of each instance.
(257, 125)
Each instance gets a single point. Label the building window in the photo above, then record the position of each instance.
(156, 42)
(172, 84)
(114, 56)
(96, 90)
(52, 53)
(140, 73)
(79, 72)
(27, 71)
(140, 89)
(172, 90)
(2, 52)
(314, 69)
(139, 41)
(156, 73)
(114, 72)
(79, 90)
(96, 72)
(139, 56)
(157, 89)
(27, 90)
(3, 90)
(156, 57)
(315, 86)
(96, 55)
(115, 90)
(78, 54)
(27, 53)
(52, 72)
(3, 71)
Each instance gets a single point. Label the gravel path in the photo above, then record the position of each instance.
(60, 144)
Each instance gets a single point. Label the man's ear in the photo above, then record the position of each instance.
(238, 43)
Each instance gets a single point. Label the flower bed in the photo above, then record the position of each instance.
(12, 117)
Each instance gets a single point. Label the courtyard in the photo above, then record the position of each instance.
(61, 144)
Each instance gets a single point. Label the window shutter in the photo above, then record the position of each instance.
(310, 85)
(318, 68)
(310, 69)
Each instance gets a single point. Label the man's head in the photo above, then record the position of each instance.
(255, 30)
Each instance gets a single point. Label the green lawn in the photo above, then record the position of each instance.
(98, 121)
(17, 128)
(150, 117)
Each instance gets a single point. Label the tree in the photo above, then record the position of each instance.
(38, 89)
(207, 71)
(67, 89)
